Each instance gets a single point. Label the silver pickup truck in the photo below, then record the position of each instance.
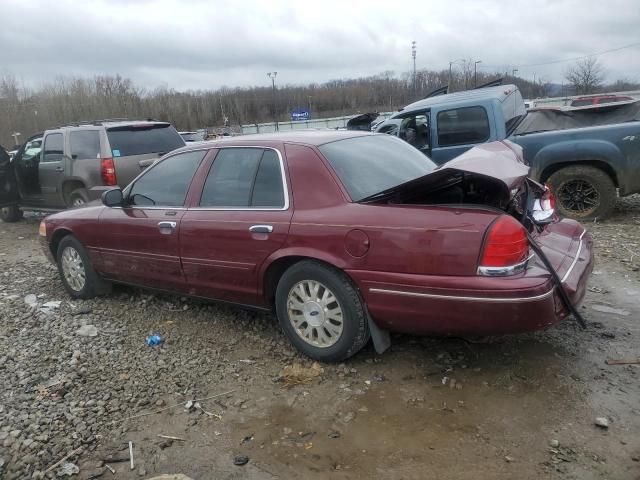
(73, 164)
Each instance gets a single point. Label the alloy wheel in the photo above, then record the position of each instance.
(578, 196)
(73, 268)
(315, 313)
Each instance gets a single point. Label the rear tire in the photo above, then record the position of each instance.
(321, 312)
(11, 214)
(77, 274)
(583, 192)
(78, 198)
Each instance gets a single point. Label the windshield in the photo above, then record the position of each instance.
(143, 139)
(374, 163)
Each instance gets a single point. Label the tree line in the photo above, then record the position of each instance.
(71, 99)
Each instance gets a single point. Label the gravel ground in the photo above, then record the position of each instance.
(74, 373)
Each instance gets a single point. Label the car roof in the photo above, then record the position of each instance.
(306, 137)
(109, 124)
(500, 93)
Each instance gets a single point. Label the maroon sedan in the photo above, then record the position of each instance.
(345, 235)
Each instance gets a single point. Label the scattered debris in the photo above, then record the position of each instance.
(347, 417)
(608, 309)
(63, 459)
(246, 439)
(170, 437)
(153, 340)
(297, 374)
(508, 459)
(142, 471)
(602, 422)
(131, 465)
(177, 405)
(623, 361)
(110, 469)
(240, 460)
(554, 443)
(82, 311)
(87, 331)
(335, 434)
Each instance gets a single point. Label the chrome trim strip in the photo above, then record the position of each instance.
(504, 271)
(463, 298)
(251, 209)
(575, 260)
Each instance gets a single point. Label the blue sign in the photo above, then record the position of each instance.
(300, 114)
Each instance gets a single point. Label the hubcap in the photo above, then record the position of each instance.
(579, 197)
(73, 269)
(315, 313)
(77, 202)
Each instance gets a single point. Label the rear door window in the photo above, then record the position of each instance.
(462, 126)
(166, 184)
(244, 177)
(143, 139)
(53, 148)
(85, 144)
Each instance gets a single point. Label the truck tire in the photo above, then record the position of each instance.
(11, 214)
(78, 198)
(583, 192)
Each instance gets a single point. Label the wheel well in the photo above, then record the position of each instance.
(605, 167)
(56, 239)
(69, 186)
(276, 270)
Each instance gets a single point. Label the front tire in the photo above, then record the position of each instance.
(583, 192)
(321, 312)
(77, 274)
(11, 214)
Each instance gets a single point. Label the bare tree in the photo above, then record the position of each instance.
(586, 76)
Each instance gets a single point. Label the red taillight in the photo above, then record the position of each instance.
(108, 171)
(506, 244)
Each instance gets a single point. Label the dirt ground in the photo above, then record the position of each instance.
(520, 407)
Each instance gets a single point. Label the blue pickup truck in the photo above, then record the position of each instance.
(587, 155)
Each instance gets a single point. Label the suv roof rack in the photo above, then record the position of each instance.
(104, 120)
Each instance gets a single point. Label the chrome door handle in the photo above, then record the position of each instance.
(261, 229)
(171, 225)
(59, 169)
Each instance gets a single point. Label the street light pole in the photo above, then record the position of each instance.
(413, 55)
(272, 76)
(475, 72)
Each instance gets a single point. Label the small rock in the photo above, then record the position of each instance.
(347, 417)
(82, 311)
(554, 443)
(31, 300)
(142, 471)
(335, 434)
(87, 331)
(508, 459)
(240, 460)
(160, 403)
(68, 469)
(602, 422)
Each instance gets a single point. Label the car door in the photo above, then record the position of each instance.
(8, 185)
(51, 170)
(139, 242)
(241, 217)
(26, 165)
(456, 130)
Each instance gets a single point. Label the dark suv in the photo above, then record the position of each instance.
(72, 165)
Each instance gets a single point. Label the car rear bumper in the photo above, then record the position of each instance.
(477, 305)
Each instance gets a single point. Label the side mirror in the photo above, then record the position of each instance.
(112, 198)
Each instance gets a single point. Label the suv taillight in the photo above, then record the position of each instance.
(108, 171)
(506, 248)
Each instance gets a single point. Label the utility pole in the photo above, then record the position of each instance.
(413, 55)
(475, 72)
(272, 76)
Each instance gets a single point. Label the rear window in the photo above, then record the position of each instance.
(144, 139)
(371, 164)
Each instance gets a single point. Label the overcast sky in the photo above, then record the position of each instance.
(207, 44)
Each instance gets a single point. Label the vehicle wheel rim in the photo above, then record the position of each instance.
(73, 269)
(77, 202)
(579, 197)
(5, 211)
(315, 313)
